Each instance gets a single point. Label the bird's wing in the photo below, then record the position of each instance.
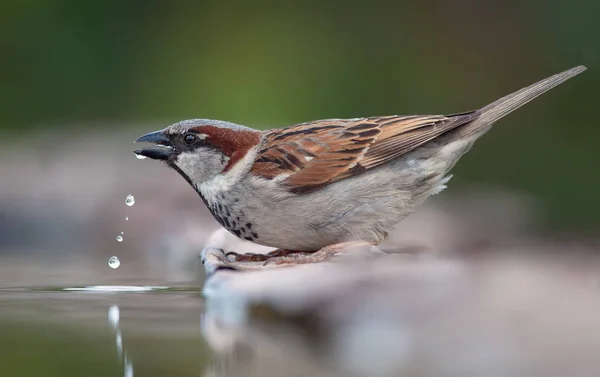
(309, 155)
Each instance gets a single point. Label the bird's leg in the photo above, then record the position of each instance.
(318, 256)
(215, 259)
(261, 257)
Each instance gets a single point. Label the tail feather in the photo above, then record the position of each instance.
(489, 114)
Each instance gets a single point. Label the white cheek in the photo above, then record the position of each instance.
(190, 164)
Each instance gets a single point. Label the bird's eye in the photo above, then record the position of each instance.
(189, 138)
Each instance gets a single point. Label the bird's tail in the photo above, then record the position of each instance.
(486, 116)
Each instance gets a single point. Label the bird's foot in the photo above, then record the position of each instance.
(261, 257)
(215, 259)
(324, 254)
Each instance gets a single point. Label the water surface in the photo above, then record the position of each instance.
(51, 332)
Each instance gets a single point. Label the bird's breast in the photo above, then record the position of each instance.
(228, 212)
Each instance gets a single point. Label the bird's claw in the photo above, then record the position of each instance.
(303, 258)
(277, 258)
(237, 257)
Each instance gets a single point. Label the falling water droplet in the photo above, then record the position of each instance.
(126, 218)
(121, 232)
(140, 156)
(114, 262)
(130, 200)
(119, 238)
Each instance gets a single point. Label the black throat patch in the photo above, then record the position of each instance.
(229, 217)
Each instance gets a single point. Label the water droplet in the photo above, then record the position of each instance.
(140, 156)
(119, 238)
(130, 200)
(126, 218)
(121, 232)
(114, 262)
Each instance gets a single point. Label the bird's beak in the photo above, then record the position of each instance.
(163, 149)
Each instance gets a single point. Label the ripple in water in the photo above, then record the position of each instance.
(117, 288)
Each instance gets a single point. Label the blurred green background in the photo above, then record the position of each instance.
(80, 79)
(72, 66)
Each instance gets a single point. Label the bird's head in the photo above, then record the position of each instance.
(200, 149)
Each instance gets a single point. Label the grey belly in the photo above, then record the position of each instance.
(365, 207)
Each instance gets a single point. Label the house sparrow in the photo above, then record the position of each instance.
(316, 188)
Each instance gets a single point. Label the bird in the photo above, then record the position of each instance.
(314, 189)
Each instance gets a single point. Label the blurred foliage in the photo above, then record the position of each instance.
(72, 65)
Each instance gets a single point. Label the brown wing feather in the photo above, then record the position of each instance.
(309, 155)
(403, 136)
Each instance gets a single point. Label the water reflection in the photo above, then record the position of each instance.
(432, 318)
(104, 334)
(128, 368)
(113, 320)
(417, 319)
(267, 344)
